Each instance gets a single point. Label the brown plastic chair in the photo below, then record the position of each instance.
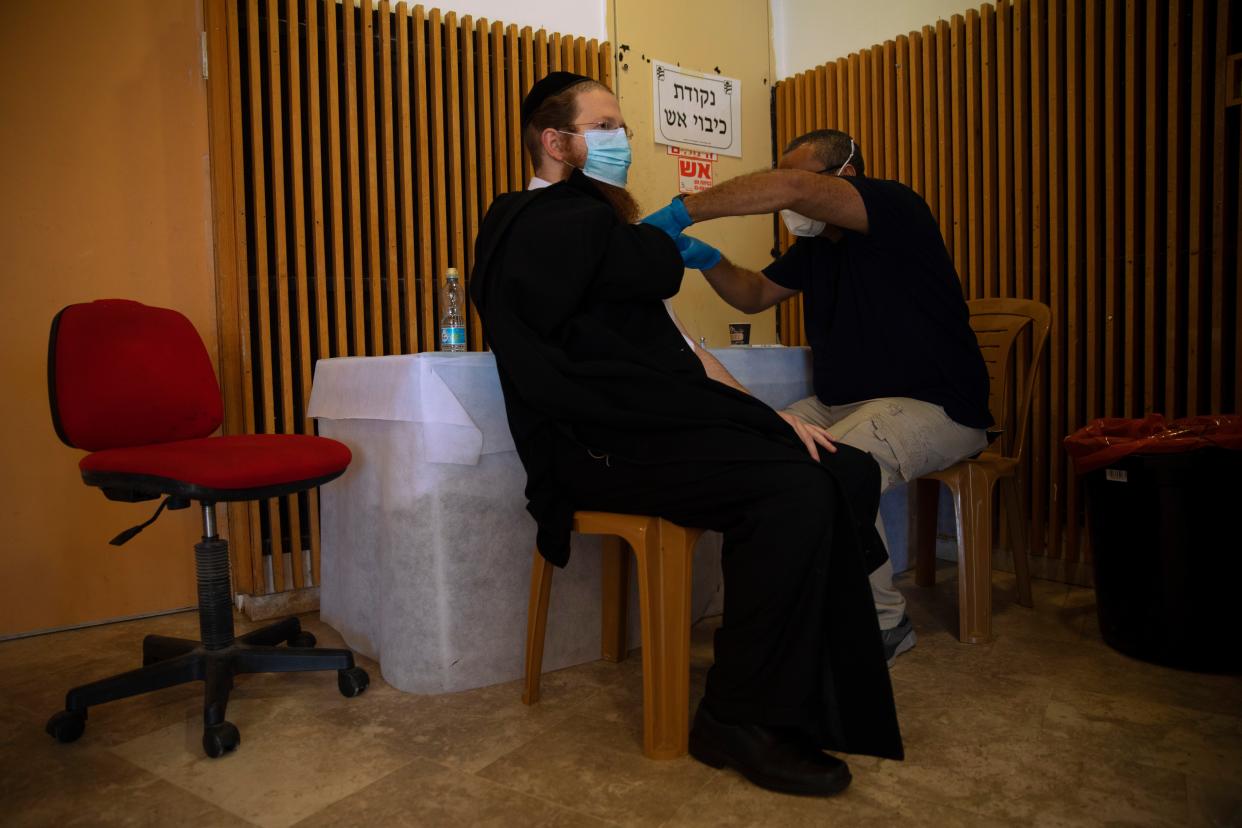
(997, 324)
(665, 552)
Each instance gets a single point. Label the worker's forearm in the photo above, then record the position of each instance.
(765, 191)
(741, 288)
(827, 198)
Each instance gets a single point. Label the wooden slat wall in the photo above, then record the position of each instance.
(1078, 152)
(355, 148)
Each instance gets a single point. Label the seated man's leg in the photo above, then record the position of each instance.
(890, 605)
(907, 438)
(796, 601)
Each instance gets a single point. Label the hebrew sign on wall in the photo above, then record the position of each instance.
(697, 109)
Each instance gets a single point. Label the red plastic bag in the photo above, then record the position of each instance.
(1107, 440)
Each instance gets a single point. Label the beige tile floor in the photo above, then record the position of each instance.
(1044, 726)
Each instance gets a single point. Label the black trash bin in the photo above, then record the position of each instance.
(1164, 506)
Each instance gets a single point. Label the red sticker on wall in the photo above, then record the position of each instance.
(694, 176)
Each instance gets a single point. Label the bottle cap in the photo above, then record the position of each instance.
(452, 271)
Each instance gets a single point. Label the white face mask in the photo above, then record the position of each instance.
(798, 224)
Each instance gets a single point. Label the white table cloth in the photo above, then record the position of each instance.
(426, 543)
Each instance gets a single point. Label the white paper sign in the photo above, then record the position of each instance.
(696, 109)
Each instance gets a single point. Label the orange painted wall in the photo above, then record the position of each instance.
(105, 193)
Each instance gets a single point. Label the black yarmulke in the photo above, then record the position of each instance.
(545, 88)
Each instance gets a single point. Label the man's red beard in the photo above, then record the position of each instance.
(619, 198)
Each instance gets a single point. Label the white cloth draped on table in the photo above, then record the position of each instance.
(426, 542)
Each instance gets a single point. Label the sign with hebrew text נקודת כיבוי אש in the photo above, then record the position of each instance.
(697, 109)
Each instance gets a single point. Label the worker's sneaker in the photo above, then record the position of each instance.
(899, 639)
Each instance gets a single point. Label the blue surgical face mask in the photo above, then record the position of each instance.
(608, 155)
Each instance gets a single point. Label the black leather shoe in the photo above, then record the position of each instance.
(772, 759)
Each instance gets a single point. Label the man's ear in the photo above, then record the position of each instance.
(553, 147)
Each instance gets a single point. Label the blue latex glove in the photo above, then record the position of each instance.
(697, 254)
(671, 219)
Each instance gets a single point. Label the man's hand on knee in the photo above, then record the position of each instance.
(812, 436)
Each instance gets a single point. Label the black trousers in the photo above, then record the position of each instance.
(799, 645)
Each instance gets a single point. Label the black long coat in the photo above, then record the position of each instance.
(571, 300)
(591, 365)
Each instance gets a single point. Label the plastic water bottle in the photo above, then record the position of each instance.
(452, 328)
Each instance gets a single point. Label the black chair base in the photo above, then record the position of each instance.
(171, 661)
(214, 659)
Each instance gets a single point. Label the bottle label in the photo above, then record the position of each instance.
(452, 336)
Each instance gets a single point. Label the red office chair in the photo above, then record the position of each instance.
(134, 386)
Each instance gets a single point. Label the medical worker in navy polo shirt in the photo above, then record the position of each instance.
(897, 370)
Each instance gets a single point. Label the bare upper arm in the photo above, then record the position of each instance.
(770, 293)
(830, 199)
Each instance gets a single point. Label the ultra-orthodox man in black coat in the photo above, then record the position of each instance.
(611, 411)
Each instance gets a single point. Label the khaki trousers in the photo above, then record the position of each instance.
(908, 438)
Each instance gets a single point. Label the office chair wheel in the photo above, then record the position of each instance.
(220, 739)
(302, 639)
(66, 726)
(352, 681)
